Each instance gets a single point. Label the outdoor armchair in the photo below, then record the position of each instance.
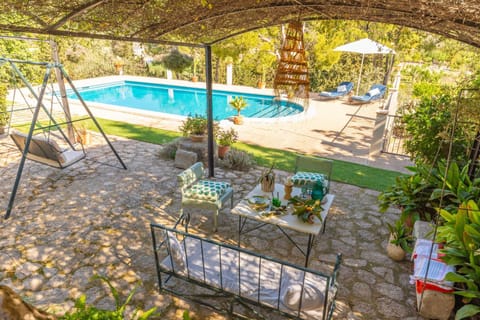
(202, 193)
(309, 170)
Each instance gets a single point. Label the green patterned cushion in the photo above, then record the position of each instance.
(302, 178)
(207, 190)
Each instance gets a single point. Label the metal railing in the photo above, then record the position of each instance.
(395, 136)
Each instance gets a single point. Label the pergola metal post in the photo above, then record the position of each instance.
(208, 72)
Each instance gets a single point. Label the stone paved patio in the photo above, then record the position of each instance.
(94, 218)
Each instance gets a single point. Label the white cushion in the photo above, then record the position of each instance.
(342, 88)
(313, 297)
(177, 252)
(373, 92)
(70, 156)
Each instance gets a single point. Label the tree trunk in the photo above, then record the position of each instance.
(12, 307)
(217, 69)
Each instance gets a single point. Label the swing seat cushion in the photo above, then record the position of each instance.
(46, 151)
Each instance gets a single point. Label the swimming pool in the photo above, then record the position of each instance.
(184, 101)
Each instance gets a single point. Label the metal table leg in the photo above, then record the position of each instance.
(311, 239)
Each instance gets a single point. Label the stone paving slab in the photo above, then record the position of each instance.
(94, 217)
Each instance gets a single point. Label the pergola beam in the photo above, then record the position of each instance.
(77, 12)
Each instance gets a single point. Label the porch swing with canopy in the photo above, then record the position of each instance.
(52, 146)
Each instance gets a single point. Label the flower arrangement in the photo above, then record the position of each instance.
(306, 210)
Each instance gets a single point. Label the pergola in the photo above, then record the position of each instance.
(208, 21)
(201, 23)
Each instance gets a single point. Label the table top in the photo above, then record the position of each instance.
(287, 220)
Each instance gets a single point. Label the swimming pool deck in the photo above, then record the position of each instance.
(332, 129)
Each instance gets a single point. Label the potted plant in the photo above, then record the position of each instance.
(238, 103)
(225, 138)
(267, 180)
(261, 83)
(118, 63)
(195, 127)
(4, 116)
(399, 241)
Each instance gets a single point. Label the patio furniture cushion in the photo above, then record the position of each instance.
(341, 90)
(373, 92)
(313, 297)
(178, 254)
(207, 190)
(46, 151)
(304, 178)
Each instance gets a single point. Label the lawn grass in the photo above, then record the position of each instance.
(343, 171)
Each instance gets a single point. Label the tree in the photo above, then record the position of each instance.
(430, 127)
(177, 61)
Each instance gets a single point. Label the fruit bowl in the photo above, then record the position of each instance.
(258, 202)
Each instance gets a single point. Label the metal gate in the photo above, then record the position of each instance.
(394, 136)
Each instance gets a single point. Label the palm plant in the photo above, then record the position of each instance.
(238, 103)
(461, 235)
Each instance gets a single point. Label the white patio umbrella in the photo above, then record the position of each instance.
(364, 46)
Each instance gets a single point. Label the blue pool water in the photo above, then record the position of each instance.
(184, 100)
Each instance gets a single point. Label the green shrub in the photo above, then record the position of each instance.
(85, 312)
(429, 128)
(237, 160)
(461, 234)
(426, 89)
(4, 116)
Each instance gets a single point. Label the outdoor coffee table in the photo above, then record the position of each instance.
(285, 221)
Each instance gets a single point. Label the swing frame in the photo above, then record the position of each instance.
(40, 105)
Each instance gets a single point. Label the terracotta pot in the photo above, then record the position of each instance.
(222, 150)
(197, 137)
(260, 84)
(194, 79)
(395, 252)
(238, 120)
